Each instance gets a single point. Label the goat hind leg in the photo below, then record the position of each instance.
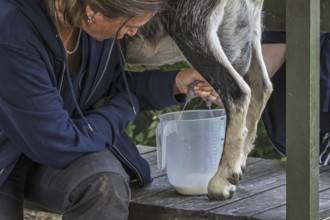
(261, 89)
(259, 82)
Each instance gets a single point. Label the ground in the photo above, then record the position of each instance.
(35, 215)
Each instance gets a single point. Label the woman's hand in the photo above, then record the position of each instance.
(202, 89)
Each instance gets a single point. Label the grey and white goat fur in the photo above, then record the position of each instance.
(222, 40)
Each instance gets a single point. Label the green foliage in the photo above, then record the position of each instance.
(263, 146)
(142, 130)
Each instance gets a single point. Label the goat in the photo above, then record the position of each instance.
(222, 40)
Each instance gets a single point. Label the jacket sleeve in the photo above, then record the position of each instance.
(154, 89)
(33, 118)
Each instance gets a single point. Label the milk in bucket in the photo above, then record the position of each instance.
(190, 145)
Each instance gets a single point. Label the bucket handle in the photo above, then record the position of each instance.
(161, 149)
(161, 145)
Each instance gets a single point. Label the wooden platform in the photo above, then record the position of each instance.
(260, 195)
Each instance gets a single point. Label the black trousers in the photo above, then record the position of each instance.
(95, 186)
(274, 117)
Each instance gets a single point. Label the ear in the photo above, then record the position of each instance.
(89, 11)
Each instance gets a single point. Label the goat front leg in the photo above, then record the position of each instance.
(223, 184)
(199, 42)
(235, 95)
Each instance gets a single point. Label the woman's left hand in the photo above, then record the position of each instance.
(202, 89)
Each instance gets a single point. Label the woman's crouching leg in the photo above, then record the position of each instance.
(102, 196)
(94, 187)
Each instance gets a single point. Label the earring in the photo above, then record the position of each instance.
(89, 19)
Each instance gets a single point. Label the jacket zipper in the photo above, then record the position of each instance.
(129, 164)
(62, 78)
(103, 72)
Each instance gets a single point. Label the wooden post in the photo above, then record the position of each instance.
(274, 15)
(302, 101)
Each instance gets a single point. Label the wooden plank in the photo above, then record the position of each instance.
(325, 195)
(268, 202)
(280, 212)
(255, 204)
(161, 182)
(146, 149)
(169, 203)
(158, 185)
(275, 16)
(325, 168)
(155, 172)
(259, 177)
(302, 103)
(150, 157)
(274, 207)
(254, 197)
(325, 215)
(325, 204)
(245, 190)
(163, 214)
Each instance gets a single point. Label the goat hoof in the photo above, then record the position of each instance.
(220, 189)
(220, 196)
(243, 168)
(235, 178)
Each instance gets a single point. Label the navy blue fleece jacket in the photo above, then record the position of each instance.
(46, 112)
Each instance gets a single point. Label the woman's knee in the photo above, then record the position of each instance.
(104, 195)
(105, 184)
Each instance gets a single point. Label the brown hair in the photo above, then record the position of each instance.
(74, 10)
